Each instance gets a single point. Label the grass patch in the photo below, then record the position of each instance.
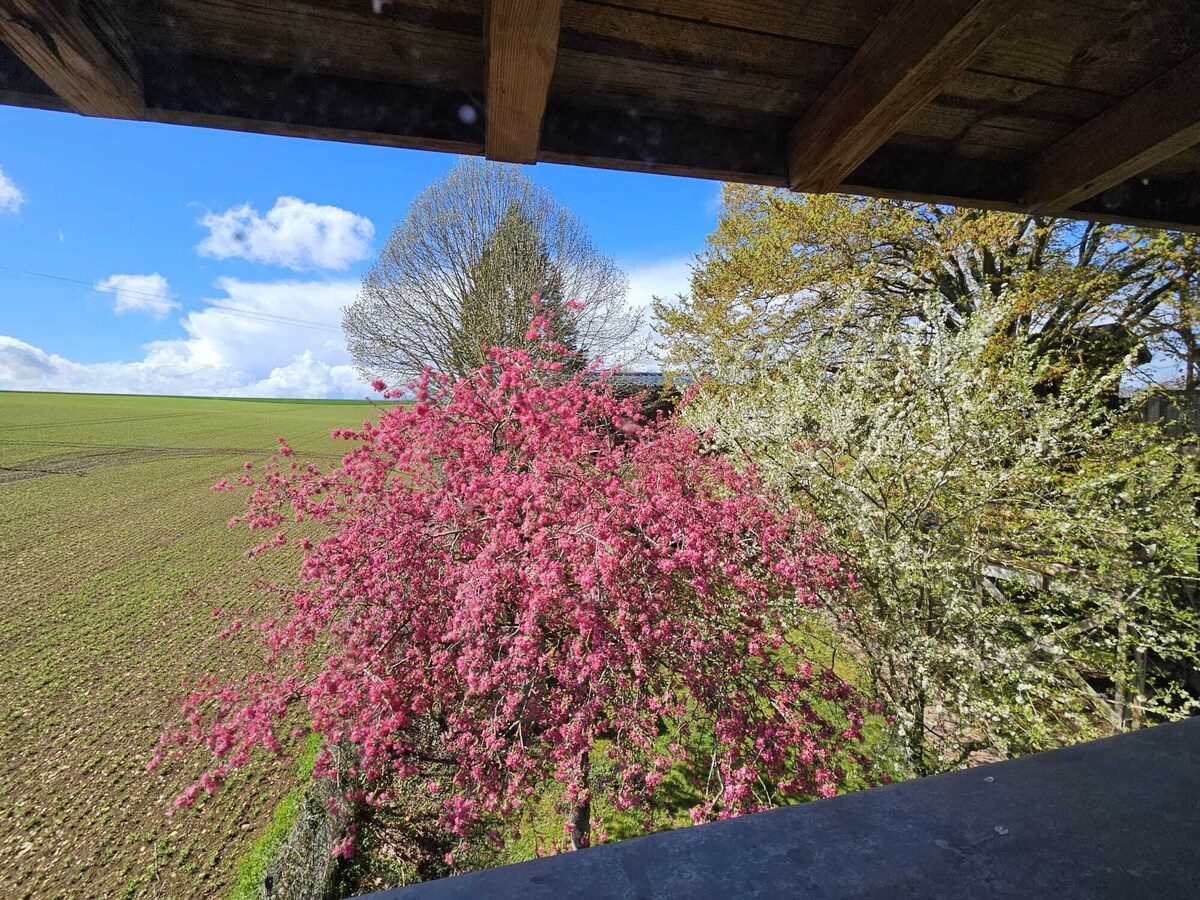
(252, 867)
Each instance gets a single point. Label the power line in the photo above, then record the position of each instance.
(237, 311)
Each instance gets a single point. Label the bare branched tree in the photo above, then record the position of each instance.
(458, 273)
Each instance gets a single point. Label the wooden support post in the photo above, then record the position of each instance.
(81, 49)
(1151, 125)
(906, 61)
(522, 43)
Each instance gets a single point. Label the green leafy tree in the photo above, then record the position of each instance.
(782, 268)
(514, 266)
(1026, 558)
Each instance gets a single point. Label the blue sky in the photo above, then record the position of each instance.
(151, 211)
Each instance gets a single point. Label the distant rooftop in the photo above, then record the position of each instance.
(1082, 107)
(638, 379)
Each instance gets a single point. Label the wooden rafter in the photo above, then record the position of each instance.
(1146, 128)
(80, 49)
(906, 61)
(703, 88)
(522, 43)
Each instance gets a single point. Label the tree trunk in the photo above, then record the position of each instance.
(916, 739)
(1139, 687)
(1120, 699)
(581, 821)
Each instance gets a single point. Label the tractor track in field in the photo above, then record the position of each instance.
(85, 423)
(82, 463)
(92, 455)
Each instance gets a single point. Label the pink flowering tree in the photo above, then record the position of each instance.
(522, 581)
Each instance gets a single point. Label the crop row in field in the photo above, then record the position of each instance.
(115, 552)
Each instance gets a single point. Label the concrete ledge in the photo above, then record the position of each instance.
(1114, 818)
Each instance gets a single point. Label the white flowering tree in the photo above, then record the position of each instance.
(1023, 561)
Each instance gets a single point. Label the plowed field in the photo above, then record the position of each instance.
(113, 553)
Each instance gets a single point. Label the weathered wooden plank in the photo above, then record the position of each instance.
(1105, 46)
(33, 101)
(192, 90)
(844, 23)
(81, 49)
(591, 79)
(917, 49)
(911, 174)
(1010, 96)
(656, 75)
(599, 28)
(1097, 45)
(1150, 126)
(1184, 166)
(434, 13)
(401, 44)
(1009, 136)
(751, 152)
(522, 43)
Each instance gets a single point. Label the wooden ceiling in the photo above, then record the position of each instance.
(1082, 107)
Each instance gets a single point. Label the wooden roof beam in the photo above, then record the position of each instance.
(81, 49)
(521, 45)
(914, 52)
(1146, 128)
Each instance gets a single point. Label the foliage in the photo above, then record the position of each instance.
(782, 268)
(518, 568)
(456, 275)
(513, 266)
(992, 530)
(937, 386)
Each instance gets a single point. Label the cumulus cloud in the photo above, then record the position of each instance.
(20, 361)
(140, 293)
(664, 278)
(11, 196)
(260, 339)
(294, 234)
(307, 376)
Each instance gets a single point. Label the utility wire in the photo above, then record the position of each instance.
(238, 311)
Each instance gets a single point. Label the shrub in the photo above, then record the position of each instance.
(521, 580)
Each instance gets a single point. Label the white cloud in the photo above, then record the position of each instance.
(140, 293)
(664, 278)
(307, 376)
(294, 234)
(239, 349)
(20, 361)
(11, 196)
(715, 201)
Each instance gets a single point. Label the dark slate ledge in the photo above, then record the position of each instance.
(1113, 818)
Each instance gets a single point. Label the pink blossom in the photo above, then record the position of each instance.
(501, 554)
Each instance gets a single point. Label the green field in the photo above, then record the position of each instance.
(114, 553)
